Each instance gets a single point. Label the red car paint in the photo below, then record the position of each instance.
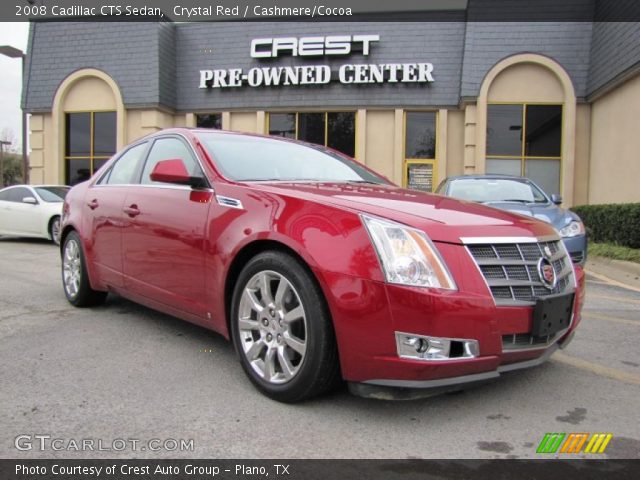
(173, 250)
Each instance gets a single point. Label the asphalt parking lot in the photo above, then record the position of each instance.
(123, 371)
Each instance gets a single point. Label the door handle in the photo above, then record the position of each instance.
(132, 211)
(93, 204)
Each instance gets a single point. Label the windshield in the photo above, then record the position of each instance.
(495, 190)
(245, 159)
(52, 194)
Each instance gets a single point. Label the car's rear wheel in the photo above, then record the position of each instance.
(54, 230)
(282, 329)
(74, 275)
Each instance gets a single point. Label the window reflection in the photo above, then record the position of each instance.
(282, 125)
(209, 120)
(311, 127)
(544, 131)
(78, 131)
(90, 140)
(336, 130)
(341, 133)
(531, 148)
(104, 134)
(504, 130)
(420, 151)
(420, 137)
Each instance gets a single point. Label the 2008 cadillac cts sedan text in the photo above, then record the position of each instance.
(317, 268)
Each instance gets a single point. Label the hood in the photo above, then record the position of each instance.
(443, 218)
(547, 212)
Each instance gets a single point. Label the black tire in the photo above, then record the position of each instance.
(318, 369)
(79, 293)
(54, 229)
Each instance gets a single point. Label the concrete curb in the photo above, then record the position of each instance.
(626, 274)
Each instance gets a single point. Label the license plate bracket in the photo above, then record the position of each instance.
(552, 314)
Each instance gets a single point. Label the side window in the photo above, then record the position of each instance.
(17, 194)
(4, 195)
(442, 188)
(105, 177)
(126, 166)
(170, 149)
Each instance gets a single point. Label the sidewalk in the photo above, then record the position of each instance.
(625, 273)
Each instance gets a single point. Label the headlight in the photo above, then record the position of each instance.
(574, 229)
(407, 255)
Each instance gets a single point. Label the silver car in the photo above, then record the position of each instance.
(521, 195)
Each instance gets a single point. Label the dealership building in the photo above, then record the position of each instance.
(558, 102)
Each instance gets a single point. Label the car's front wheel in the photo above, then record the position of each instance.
(75, 280)
(282, 329)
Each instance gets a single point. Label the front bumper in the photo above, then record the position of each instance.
(577, 248)
(413, 389)
(367, 314)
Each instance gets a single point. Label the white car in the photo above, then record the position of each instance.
(32, 211)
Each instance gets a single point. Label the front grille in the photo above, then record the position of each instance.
(511, 269)
(518, 341)
(577, 257)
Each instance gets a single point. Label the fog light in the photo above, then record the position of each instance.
(435, 348)
(420, 345)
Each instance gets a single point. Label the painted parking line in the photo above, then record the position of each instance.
(611, 281)
(614, 298)
(596, 368)
(608, 318)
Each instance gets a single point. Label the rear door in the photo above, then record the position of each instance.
(104, 202)
(164, 238)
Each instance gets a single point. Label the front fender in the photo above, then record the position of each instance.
(328, 239)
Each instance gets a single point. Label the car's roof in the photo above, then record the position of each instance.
(489, 176)
(37, 186)
(185, 131)
(213, 131)
(23, 185)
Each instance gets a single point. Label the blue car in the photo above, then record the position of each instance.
(521, 195)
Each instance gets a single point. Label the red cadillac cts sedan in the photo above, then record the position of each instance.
(317, 268)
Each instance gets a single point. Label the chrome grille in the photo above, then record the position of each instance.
(517, 272)
(518, 341)
(511, 271)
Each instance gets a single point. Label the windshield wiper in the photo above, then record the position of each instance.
(307, 180)
(506, 200)
(364, 181)
(267, 180)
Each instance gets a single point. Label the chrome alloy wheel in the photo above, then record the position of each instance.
(71, 268)
(273, 327)
(55, 231)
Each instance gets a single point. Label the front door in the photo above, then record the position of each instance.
(164, 238)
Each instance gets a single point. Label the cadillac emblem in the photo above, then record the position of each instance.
(546, 273)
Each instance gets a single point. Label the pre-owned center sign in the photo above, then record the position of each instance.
(350, 73)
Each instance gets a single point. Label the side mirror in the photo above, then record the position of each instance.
(556, 198)
(30, 200)
(174, 171)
